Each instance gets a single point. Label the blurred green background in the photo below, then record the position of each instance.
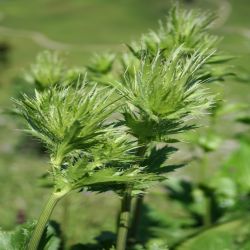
(77, 29)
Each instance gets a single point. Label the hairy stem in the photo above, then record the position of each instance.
(124, 221)
(43, 219)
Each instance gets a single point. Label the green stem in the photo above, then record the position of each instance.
(43, 219)
(65, 219)
(136, 219)
(124, 221)
(207, 216)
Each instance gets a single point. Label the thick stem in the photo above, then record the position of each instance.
(65, 219)
(207, 217)
(123, 225)
(136, 219)
(43, 219)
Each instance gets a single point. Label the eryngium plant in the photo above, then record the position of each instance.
(163, 98)
(165, 88)
(85, 150)
(159, 89)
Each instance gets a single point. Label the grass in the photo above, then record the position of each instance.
(89, 26)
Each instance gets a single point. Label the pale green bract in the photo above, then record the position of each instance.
(163, 96)
(67, 119)
(49, 69)
(189, 29)
(101, 63)
(182, 27)
(85, 148)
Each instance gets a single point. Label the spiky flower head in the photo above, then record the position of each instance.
(189, 29)
(49, 70)
(85, 148)
(101, 63)
(182, 27)
(162, 86)
(163, 95)
(67, 119)
(101, 68)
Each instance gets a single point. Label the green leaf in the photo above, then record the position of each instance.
(209, 142)
(156, 160)
(51, 239)
(156, 244)
(18, 238)
(237, 168)
(225, 190)
(245, 119)
(228, 236)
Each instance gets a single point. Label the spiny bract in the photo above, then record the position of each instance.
(182, 27)
(49, 70)
(85, 149)
(163, 95)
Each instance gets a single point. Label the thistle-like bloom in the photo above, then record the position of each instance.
(162, 96)
(189, 29)
(86, 151)
(101, 63)
(85, 148)
(182, 27)
(101, 68)
(49, 70)
(67, 119)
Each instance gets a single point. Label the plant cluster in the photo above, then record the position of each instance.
(112, 126)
